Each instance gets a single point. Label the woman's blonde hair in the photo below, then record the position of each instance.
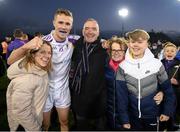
(121, 41)
(30, 61)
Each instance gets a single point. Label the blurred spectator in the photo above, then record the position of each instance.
(2, 67)
(38, 34)
(4, 45)
(154, 49)
(178, 54)
(25, 38)
(1, 50)
(161, 52)
(18, 34)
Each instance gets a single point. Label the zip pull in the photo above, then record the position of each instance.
(138, 65)
(139, 98)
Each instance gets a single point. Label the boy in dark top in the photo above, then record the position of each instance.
(172, 64)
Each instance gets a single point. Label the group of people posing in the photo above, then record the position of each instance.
(113, 84)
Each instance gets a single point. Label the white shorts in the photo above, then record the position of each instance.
(63, 101)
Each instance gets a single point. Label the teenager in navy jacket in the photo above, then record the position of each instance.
(138, 79)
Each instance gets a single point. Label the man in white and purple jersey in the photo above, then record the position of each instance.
(59, 94)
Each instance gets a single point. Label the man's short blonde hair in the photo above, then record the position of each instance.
(63, 11)
(136, 34)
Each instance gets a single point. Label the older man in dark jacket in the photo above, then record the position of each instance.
(88, 83)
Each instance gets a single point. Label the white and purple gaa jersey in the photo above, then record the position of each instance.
(61, 59)
(73, 38)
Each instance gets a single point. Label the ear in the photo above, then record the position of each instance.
(53, 23)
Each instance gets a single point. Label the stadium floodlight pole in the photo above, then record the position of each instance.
(123, 13)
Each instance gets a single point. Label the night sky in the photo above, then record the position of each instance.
(37, 15)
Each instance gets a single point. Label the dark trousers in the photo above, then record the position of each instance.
(144, 124)
(86, 124)
(168, 125)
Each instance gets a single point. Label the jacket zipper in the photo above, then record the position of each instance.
(114, 112)
(139, 95)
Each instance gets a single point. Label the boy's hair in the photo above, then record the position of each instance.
(136, 34)
(121, 41)
(169, 44)
(63, 11)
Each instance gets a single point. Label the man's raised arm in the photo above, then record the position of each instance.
(17, 54)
